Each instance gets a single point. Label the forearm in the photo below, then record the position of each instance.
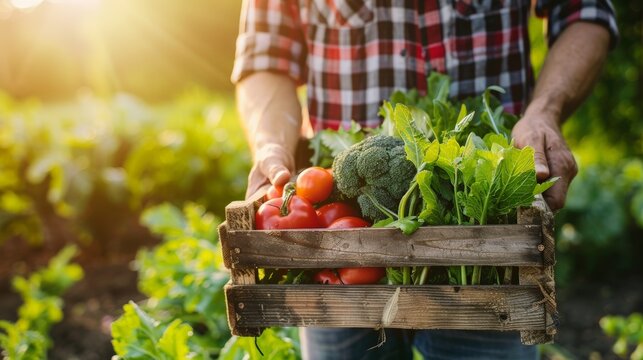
(270, 111)
(271, 117)
(570, 70)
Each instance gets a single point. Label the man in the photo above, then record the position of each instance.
(352, 54)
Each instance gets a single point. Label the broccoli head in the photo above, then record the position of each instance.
(375, 168)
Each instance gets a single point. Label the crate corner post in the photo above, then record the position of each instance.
(239, 216)
(541, 276)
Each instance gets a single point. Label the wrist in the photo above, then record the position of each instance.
(545, 111)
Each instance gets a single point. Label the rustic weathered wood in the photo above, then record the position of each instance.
(240, 215)
(503, 245)
(541, 276)
(529, 308)
(419, 307)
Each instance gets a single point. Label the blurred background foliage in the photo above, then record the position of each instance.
(109, 107)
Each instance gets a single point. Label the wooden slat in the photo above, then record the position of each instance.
(504, 245)
(541, 276)
(419, 307)
(240, 215)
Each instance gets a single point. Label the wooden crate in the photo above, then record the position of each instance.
(529, 307)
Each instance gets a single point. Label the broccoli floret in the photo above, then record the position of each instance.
(375, 167)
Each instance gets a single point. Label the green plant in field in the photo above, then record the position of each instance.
(136, 336)
(602, 220)
(183, 278)
(28, 338)
(274, 344)
(71, 160)
(628, 332)
(184, 275)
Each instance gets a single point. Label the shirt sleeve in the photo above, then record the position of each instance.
(271, 38)
(562, 13)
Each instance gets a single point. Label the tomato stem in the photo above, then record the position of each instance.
(289, 192)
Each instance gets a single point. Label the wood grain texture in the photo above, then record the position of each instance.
(505, 245)
(541, 276)
(240, 215)
(419, 307)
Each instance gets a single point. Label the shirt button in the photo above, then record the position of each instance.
(403, 52)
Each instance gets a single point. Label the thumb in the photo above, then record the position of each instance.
(275, 162)
(540, 158)
(278, 174)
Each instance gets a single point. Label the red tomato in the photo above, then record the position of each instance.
(333, 211)
(300, 215)
(361, 276)
(357, 276)
(326, 276)
(348, 222)
(314, 184)
(274, 192)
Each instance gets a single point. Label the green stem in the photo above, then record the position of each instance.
(406, 275)
(491, 119)
(380, 207)
(413, 203)
(424, 275)
(455, 196)
(463, 275)
(402, 208)
(289, 192)
(508, 275)
(477, 274)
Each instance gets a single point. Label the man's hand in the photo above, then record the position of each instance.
(570, 70)
(552, 156)
(273, 164)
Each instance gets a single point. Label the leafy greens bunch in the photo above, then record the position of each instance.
(466, 170)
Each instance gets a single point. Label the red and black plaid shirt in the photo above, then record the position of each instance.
(352, 54)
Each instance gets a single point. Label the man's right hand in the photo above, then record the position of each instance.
(271, 115)
(273, 165)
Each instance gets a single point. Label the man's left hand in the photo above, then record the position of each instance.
(552, 155)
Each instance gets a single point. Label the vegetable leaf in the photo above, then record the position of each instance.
(432, 210)
(449, 152)
(415, 143)
(438, 86)
(338, 141)
(408, 224)
(542, 187)
(501, 186)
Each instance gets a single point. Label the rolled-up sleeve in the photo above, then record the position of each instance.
(271, 38)
(562, 13)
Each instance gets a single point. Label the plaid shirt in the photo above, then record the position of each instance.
(353, 54)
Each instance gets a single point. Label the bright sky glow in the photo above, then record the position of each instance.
(25, 4)
(30, 4)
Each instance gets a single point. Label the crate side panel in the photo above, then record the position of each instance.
(419, 307)
(503, 245)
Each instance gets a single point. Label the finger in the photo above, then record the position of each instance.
(562, 164)
(556, 195)
(540, 158)
(256, 179)
(278, 174)
(542, 168)
(276, 164)
(526, 136)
